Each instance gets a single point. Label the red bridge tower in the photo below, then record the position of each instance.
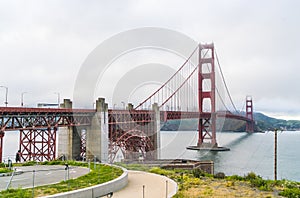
(249, 114)
(207, 125)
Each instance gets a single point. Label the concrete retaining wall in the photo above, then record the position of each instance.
(98, 190)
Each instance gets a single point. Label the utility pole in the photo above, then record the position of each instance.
(275, 155)
(275, 152)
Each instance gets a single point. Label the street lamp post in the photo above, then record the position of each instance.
(58, 98)
(6, 93)
(22, 98)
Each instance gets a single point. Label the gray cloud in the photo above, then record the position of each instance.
(43, 44)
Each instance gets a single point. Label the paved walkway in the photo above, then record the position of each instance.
(154, 186)
(43, 175)
(140, 184)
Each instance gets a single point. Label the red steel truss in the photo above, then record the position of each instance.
(133, 133)
(38, 128)
(38, 144)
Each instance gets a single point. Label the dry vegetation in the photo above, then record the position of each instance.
(197, 184)
(211, 187)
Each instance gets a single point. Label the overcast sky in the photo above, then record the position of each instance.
(44, 43)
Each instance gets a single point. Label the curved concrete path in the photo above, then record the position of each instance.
(154, 186)
(44, 174)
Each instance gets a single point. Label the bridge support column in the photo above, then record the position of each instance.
(156, 133)
(69, 138)
(69, 142)
(97, 133)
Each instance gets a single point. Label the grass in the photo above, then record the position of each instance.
(101, 173)
(4, 169)
(196, 183)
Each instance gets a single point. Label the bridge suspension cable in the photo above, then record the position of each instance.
(225, 84)
(179, 90)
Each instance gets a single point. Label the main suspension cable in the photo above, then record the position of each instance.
(223, 79)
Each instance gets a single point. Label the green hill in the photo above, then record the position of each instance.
(264, 122)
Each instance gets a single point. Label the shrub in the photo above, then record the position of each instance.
(292, 193)
(198, 173)
(259, 182)
(160, 171)
(230, 183)
(220, 175)
(236, 177)
(251, 176)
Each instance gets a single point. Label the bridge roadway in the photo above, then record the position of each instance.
(17, 118)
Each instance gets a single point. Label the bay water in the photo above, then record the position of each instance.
(248, 152)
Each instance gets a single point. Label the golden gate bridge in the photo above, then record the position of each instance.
(190, 93)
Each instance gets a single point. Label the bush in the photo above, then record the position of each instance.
(160, 171)
(292, 193)
(251, 176)
(198, 173)
(236, 177)
(220, 175)
(259, 182)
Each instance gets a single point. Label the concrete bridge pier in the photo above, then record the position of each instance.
(156, 135)
(89, 142)
(97, 133)
(69, 139)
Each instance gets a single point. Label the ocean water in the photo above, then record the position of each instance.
(248, 152)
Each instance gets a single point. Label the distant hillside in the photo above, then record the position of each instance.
(262, 123)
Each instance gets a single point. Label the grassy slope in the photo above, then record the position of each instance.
(102, 173)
